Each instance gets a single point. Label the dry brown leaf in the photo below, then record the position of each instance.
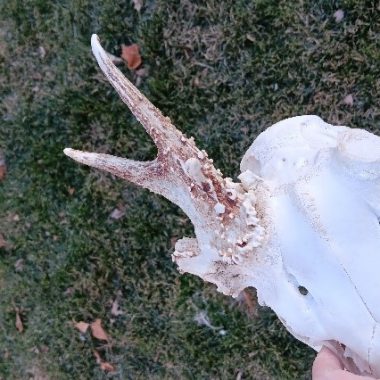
(138, 4)
(3, 171)
(115, 310)
(3, 167)
(105, 366)
(19, 325)
(3, 243)
(82, 326)
(98, 331)
(131, 55)
(97, 357)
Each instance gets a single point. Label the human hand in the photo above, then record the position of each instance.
(327, 366)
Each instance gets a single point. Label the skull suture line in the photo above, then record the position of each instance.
(301, 226)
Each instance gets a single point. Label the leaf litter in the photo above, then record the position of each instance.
(98, 331)
(82, 327)
(104, 366)
(3, 167)
(131, 55)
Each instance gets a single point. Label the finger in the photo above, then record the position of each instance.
(327, 366)
(344, 375)
(326, 361)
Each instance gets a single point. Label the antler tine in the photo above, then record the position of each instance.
(147, 174)
(158, 127)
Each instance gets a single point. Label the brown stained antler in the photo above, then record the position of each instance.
(181, 172)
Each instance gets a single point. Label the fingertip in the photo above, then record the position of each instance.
(325, 362)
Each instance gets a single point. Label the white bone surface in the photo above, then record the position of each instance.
(301, 226)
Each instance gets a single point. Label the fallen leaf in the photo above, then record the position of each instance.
(105, 366)
(349, 100)
(117, 214)
(19, 324)
(339, 15)
(98, 331)
(3, 243)
(115, 310)
(131, 55)
(3, 167)
(19, 265)
(97, 357)
(137, 4)
(82, 327)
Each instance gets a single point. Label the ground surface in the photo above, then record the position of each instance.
(223, 72)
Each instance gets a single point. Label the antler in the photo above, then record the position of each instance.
(223, 213)
(181, 172)
(292, 232)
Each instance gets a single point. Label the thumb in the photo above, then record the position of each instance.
(327, 366)
(325, 363)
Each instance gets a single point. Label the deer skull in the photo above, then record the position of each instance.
(301, 226)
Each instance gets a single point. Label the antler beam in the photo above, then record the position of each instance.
(181, 172)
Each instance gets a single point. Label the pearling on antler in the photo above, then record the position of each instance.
(302, 225)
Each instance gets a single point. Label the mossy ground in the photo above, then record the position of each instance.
(223, 71)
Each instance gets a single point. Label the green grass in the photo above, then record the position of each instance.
(223, 72)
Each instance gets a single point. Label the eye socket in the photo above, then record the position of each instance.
(303, 290)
